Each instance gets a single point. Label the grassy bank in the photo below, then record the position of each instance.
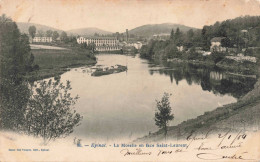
(195, 62)
(246, 67)
(242, 115)
(55, 62)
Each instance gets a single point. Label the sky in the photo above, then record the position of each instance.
(118, 15)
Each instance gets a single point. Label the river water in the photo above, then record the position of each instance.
(122, 105)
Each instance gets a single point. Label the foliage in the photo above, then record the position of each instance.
(172, 35)
(147, 51)
(14, 98)
(217, 56)
(40, 33)
(232, 29)
(55, 35)
(15, 61)
(49, 113)
(42, 109)
(15, 51)
(171, 52)
(63, 36)
(163, 115)
(49, 33)
(91, 46)
(226, 42)
(32, 31)
(178, 37)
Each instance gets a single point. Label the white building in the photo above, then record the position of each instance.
(108, 48)
(137, 45)
(102, 43)
(180, 48)
(42, 39)
(162, 36)
(216, 45)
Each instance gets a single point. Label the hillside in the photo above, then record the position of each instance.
(88, 31)
(246, 27)
(23, 27)
(151, 29)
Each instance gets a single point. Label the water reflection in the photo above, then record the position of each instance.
(122, 105)
(211, 79)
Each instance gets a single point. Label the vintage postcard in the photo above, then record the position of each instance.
(130, 80)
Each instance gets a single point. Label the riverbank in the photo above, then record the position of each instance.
(53, 62)
(226, 64)
(245, 67)
(195, 62)
(242, 115)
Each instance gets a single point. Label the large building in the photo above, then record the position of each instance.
(102, 43)
(42, 39)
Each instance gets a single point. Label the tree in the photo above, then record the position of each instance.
(171, 51)
(15, 62)
(49, 33)
(40, 33)
(50, 111)
(217, 57)
(32, 31)
(55, 35)
(163, 115)
(190, 34)
(225, 42)
(91, 47)
(178, 40)
(172, 35)
(63, 36)
(96, 34)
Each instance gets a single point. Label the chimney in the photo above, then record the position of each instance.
(127, 36)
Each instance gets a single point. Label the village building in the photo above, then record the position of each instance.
(216, 45)
(180, 48)
(102, 43)
(163, 36)
(42, 39)
(137, 45)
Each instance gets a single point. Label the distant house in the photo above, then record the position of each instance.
(180, 48)
(162, 36)
(135, 44)
(206, 53)
(216, 45)
(42, 39)
(138, 45)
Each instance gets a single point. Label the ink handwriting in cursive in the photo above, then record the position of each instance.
(212, 156)
(138, 151)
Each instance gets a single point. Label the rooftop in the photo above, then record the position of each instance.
(217, 39)
(93, 37)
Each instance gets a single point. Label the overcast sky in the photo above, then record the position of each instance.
(118, 15)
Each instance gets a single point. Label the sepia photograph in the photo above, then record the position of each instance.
(130, 80)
